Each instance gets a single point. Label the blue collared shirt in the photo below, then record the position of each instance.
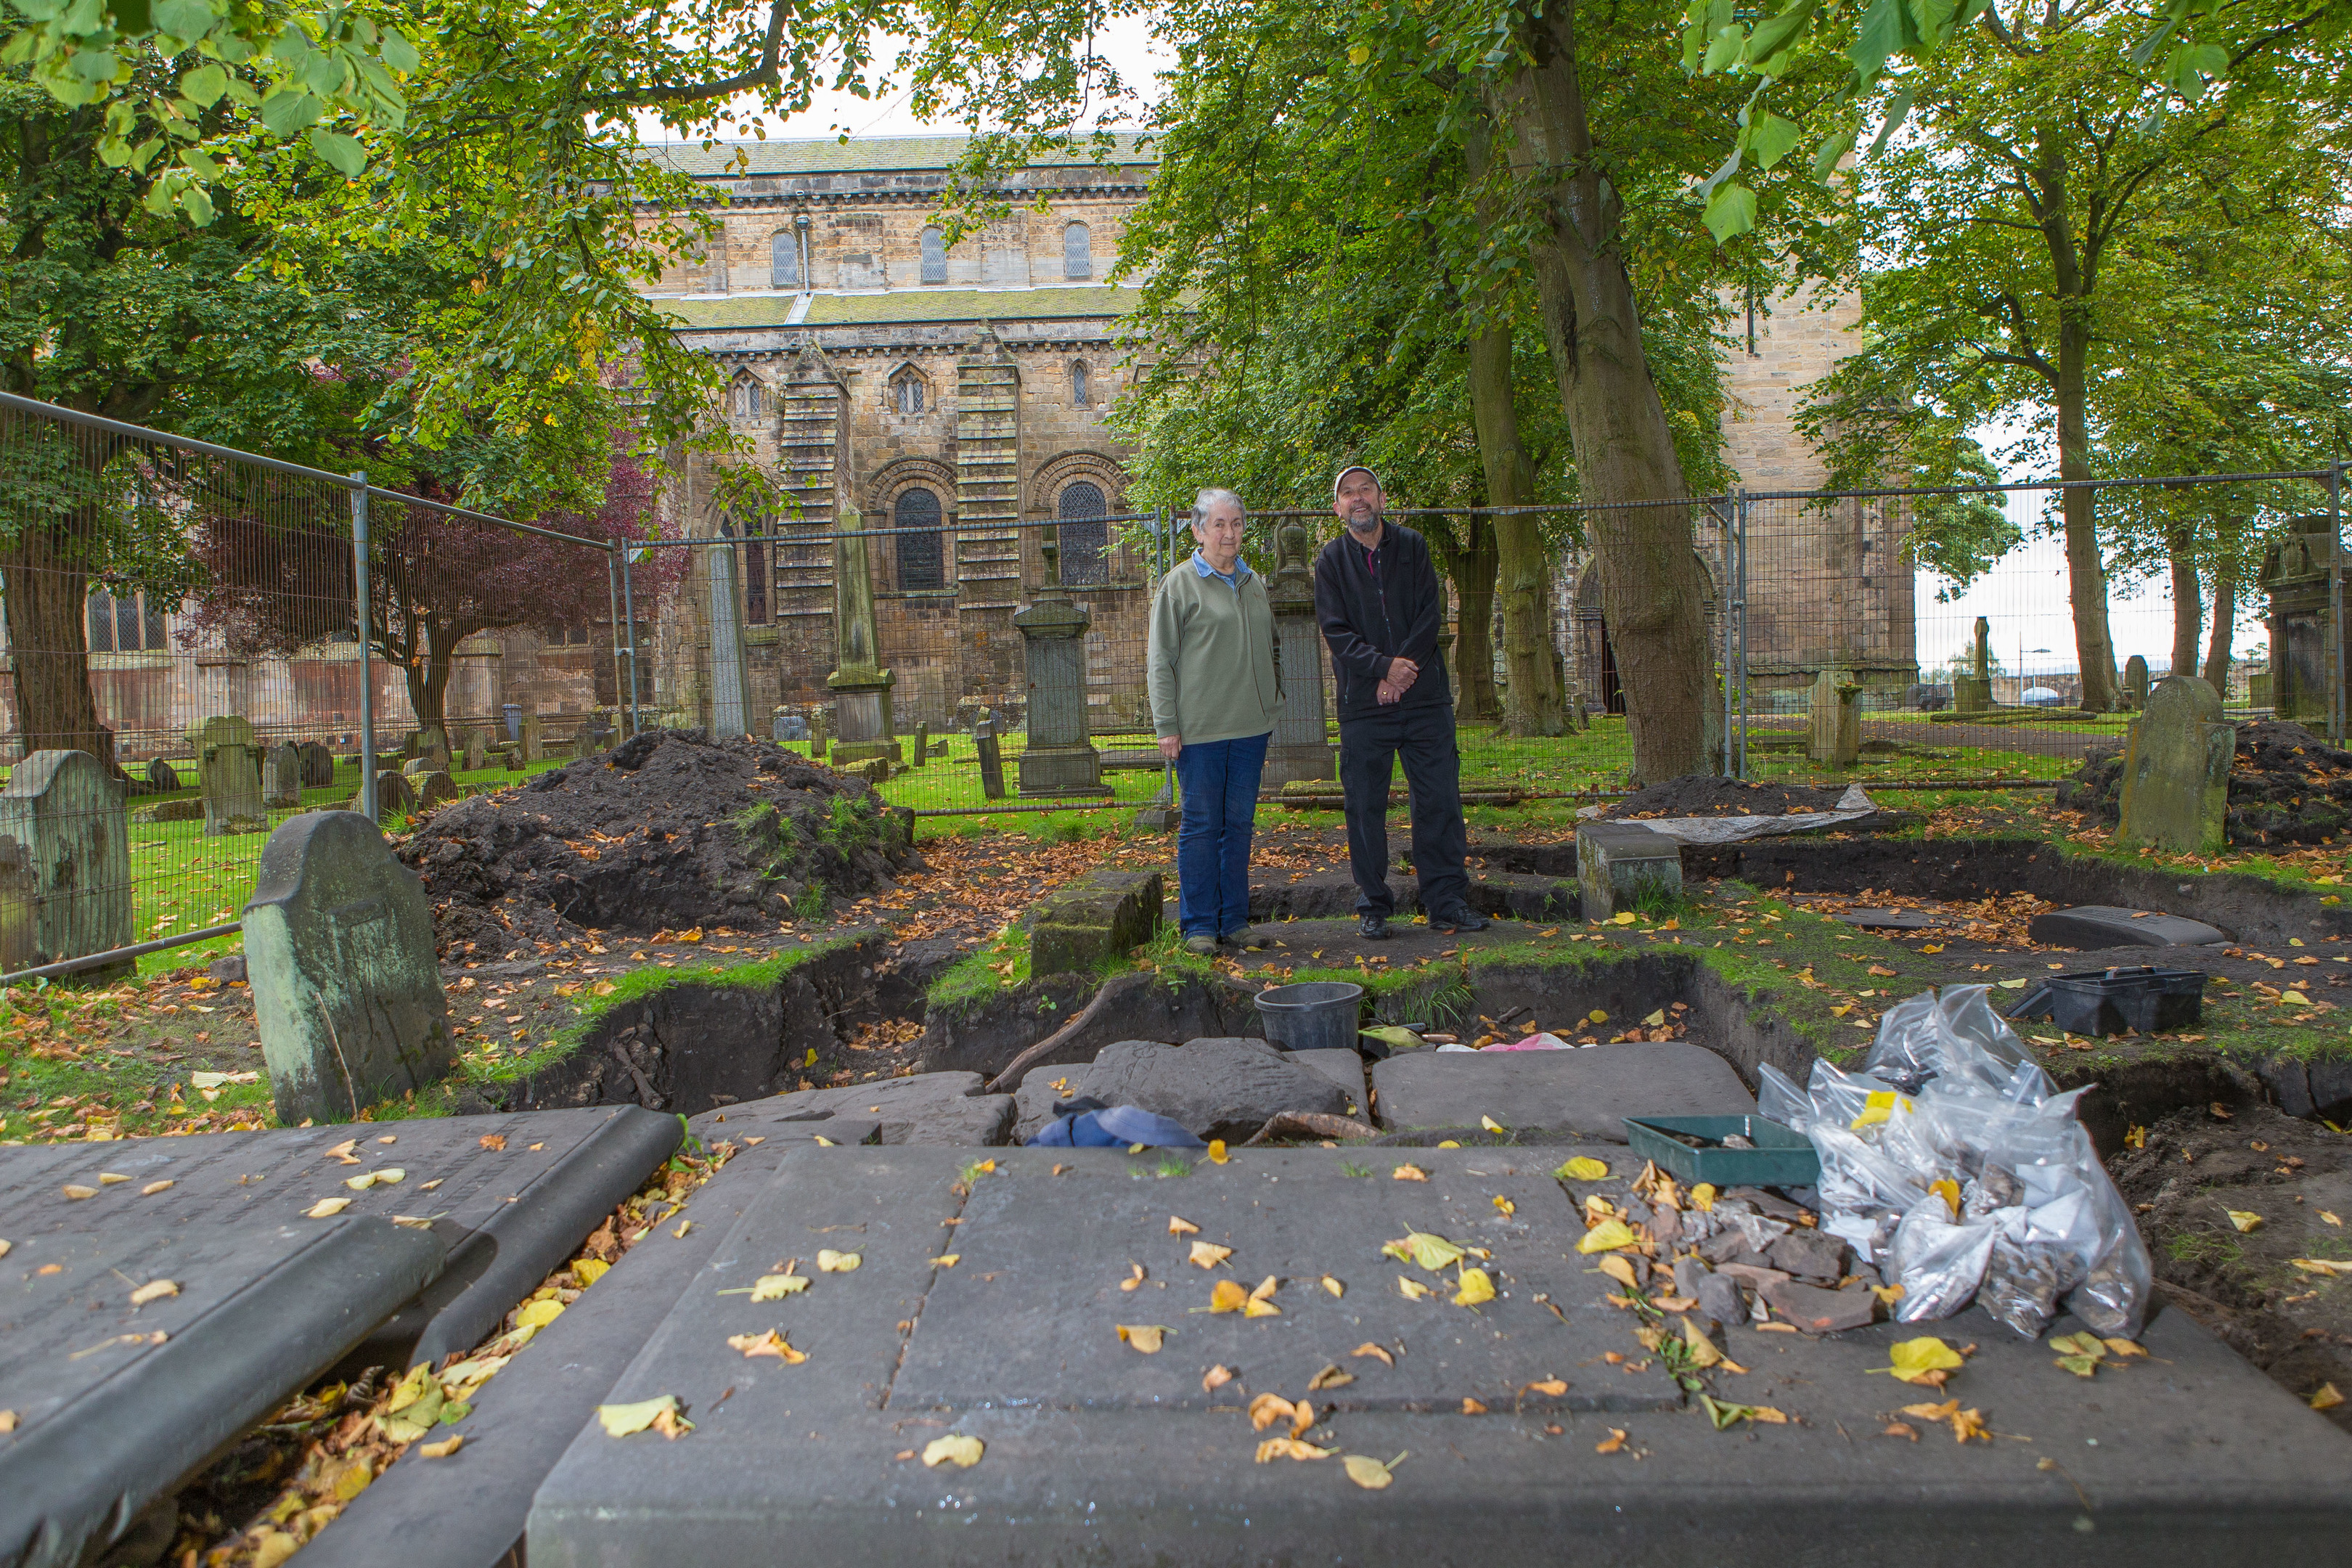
(1231, 579)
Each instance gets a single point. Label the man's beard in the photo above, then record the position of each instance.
(1369, 523)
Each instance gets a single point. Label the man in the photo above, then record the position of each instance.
(1377, 596)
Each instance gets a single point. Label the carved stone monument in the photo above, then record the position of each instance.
(860, 686)
(2176, 784)
(1973, 693)
(1060, 758)
(228, 767)
(281, 777)
(1836, 737)
(65, 864)
(2306, 656)
(338, 950)
(1301, 749)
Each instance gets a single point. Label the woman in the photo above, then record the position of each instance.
(1216, 685)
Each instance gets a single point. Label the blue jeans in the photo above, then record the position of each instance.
(1212, 847)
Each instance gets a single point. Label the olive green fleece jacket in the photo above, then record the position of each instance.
(1214, 664)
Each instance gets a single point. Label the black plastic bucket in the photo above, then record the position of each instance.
(1312, 1015)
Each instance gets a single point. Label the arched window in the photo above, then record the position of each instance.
(784, 261)
(1081, 394)
(907, 391)
(935, 255)
(748, 399)
(1083, 535)
(922, 561)
(1078, 251)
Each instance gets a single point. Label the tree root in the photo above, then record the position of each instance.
(1310, 1124)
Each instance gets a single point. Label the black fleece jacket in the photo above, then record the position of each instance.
(1389, 607)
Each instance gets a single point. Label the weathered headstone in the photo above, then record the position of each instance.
(339, 949)
(819, 734)
(534, 745)
(2176, 784)
(1301, 748)
(436, 790)
(1618, 863)
(596, 735)
(1972, 692)
(991, 756)
(433, 745)
(511, 759)
(1093, 921)
(2135, 683)
(318, 766)
(2295, 575)
(860, 686)
(787, 726)
(922, 743)
(729, 689)
(417, 767)
(393, 792)
(281, 777)
(1836, 737)
(2258, 689)
(226, 758)
(65, 864)
(511, 712)
(873, 769)
(478, 752)
(1060, 758)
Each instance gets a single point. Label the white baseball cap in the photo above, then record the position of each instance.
(1343, 473)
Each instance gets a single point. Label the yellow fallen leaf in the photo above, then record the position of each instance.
(776, 1286)
(2326, 1268)
(1411, 1290)
(1228, 1297)
(1375, 1352)
(1144, 1337)
(1208, 1254)
(2244, 1219)
(1134, 1281)
(1334, 1287)
(344, 1152)
(151, 1188)
(1491, 1125)
(1506, 1205)
(1583, 1168)
(539, 1314)
(1179, 1225)
(1608, 1235)
(1916, 1359)
(443, 1448)
(2329, 1217)
(828, 1261)
(1881, 971)
(1618, 1270)
(661, 1414)
(1367, 1472)
(324, 1208)
(962, 1452)
(1289, 1448)
(1611, 1443)
(1473, 1406)
(1549, 1387)
(2294, 999)
(588, 1270)
(1333, 1375)
(1217, 1156)
(154, 1290)
(1703, 1353)
(1841, 1010)
(1409, 1174)
(1216, 1378)
(1624, 917)
(1703, 1196)
(1268, 1408)
(770, 1343)
(1261, 1301)
(361, 1183)
(1879, 1106)
(2326, 1398)
(1426, 1248)
(75, 1193)
(1476, 1286)
(1965, 1424)
(947, 1260)
(2123, 1349)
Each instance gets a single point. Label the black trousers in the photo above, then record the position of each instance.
(1422, 738)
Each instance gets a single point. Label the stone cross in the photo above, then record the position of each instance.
(281, 777)
(1836, 736)
(66, 847)
(227, 766)
(338, 950)
(2177, 755)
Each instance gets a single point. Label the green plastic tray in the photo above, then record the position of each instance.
(1780, 1159)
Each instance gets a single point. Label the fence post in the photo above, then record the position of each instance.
(2334, 597)
(1740, 614)
(629, 609)
(367, 670)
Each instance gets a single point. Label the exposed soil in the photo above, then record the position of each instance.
(677, 830)
(2198, 1164)
(1703, 795)
(2288, 785)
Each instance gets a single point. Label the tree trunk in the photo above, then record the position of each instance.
(2087, 574)
(1474, 640)
(1624, 451)
(2225, 617)
(2187, 603)
(427, 675)
(47, 596)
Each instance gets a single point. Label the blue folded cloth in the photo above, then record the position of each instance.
(1117, 1126)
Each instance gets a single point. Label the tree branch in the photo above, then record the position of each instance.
(763, 74)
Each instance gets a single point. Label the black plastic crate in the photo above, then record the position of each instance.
(2127, 1000)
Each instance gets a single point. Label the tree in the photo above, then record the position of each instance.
(279, 574)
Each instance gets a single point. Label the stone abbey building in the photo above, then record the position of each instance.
(956, 397)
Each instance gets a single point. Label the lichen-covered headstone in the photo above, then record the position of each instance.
(281, 777)
(1836, 736)
(436, 790)
(338, 950)
(512, 759)
(417, 767)
(2135, 682)
(395, 792)
(227, 765)
(65, 843)
(534, 746)
(478, 752)
(2176, 784)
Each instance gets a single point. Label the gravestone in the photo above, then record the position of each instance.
(281, 777)
(318, 766)
(2176, 784)
(393, 792)
(1618, 863)
(1097, 919)
(227, 758)
(2295, 578)
(339, 949)
(478, 752)
(1836, 737)
(2135, 683)
(788, 726)
(860, 686)
(1972, 692)
(417, 767)
(1060, 758)
(2258, 689)
(511, 712)
(1301, 749)
(534, 747)
(65, 864)
(596, 734)
(820, 732)
(730, 694)
(433, 746)
(161, 775)
(991, 756)
(922, 743)
(435, 789)
(511, 759)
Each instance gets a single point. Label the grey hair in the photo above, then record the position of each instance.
(1208, 498)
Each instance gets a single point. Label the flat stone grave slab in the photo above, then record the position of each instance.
(2103, 925)
(1589, 1092)
(1890, 919)
(1094, 1452)
(115, 1399)
(509, 1197)
(943, 1108)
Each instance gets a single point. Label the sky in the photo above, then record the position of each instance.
(2024, 597)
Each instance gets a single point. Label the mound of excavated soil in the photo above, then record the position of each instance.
(1704, 795)
(674, 830)
(2288, 785)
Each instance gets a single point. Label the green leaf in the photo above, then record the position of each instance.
(1725, 47)
(324, 73)
(398, 52)
(198, 206)
(1777, 33)
(1825, 160)
(189, 19)
(286, 111)
(345, 153)
(1884, 30)
(1732, 212)
(1931, 20)
(1359, 55)
(1771, 139)
(131, 18)
(199, 164)
(204, 84)
(1898, 110)
(92, 65)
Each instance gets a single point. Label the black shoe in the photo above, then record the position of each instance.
(1372, 927)
(1460, 920)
